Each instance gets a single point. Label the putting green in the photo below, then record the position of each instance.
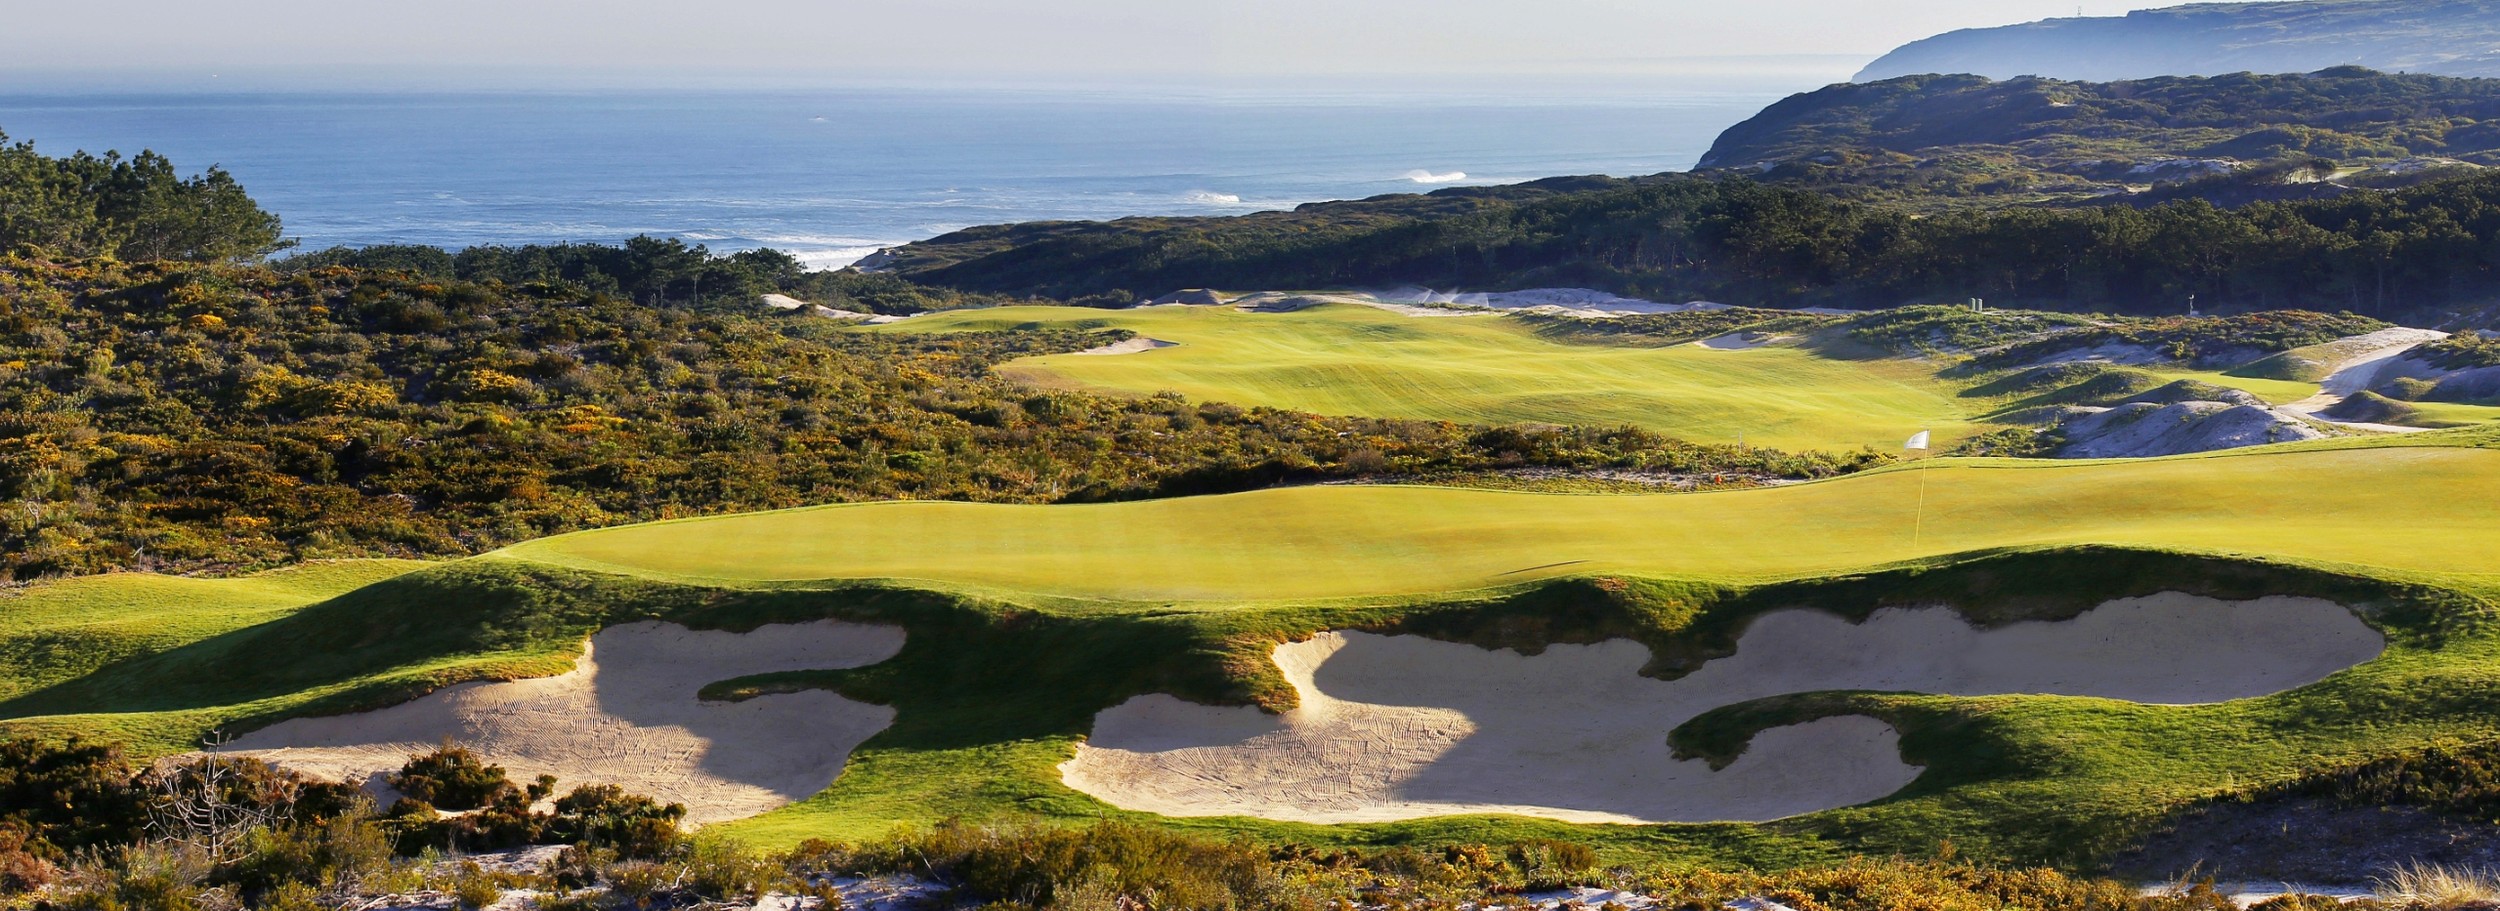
(1357, 360)
(2406, 510)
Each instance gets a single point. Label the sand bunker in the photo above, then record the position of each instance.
(1132, 346)
(1740, 341)
(628, 715)
(1404, 727)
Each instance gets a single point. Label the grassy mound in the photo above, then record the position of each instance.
(2371, 408)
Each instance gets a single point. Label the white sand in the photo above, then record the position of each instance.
(1403, 727)
(786, 302)
(628, 715)
(1132, 346)
(1740, 341)
(2356, 365)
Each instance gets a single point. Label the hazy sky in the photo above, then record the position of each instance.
(1117, 42)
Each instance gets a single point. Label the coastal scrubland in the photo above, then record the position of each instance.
(256, 499)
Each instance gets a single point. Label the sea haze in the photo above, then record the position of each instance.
(832, 176)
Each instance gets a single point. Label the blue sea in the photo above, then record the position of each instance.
(833, 175)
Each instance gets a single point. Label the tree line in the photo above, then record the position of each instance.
(137, 208)
(2395, 254)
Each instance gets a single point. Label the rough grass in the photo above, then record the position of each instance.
(2400, 510)
(1351, 359)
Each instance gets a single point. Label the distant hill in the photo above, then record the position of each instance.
(2448, 37)
(1970, 136)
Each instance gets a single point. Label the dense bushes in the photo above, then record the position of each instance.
(2404, 253)
(2208, 341)
(591, 816)
(184, 417)
(646, 270)
(283, 843)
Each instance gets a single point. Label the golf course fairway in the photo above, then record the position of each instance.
(1488, 369)
(2420, 510)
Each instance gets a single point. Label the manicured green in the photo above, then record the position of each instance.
(2409, 510)
(1485, 369)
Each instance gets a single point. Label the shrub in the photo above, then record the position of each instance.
(605, 816)
(326, 855)
(718, 869)
(451, 778)
(69, 797)
(473, 888)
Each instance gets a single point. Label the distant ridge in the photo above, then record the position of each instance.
(2447, 37)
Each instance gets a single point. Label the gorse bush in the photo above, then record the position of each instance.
(602, 817)
(1042, 867)
(452, 778)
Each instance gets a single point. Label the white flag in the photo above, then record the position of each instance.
(1917, 442)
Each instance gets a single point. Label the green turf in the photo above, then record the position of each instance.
(2274, 391)
(57, 630)
(1357, 360)
(2418, 510)
(1352, 359)
(1024, 622)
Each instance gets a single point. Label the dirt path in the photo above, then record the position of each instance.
(2365, 357)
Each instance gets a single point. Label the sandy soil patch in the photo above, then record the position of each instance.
(2360, 363)
(1132, 346)
(627, 714)
(1404, 727)
(786, 302)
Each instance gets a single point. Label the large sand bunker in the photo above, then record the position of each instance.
(627, 714)
(1403, 727)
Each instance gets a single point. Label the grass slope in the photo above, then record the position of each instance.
(63, 629)
(1351, 359)
(2406, 510)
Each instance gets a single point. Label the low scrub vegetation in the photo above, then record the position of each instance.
(1671, 328)
(502, 814)
(2462, 351)
(2220, 341)
(2456, 779)
(177, 417)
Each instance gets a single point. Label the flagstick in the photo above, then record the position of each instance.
(1918, 517)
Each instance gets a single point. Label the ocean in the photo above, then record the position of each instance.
(832, 176)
